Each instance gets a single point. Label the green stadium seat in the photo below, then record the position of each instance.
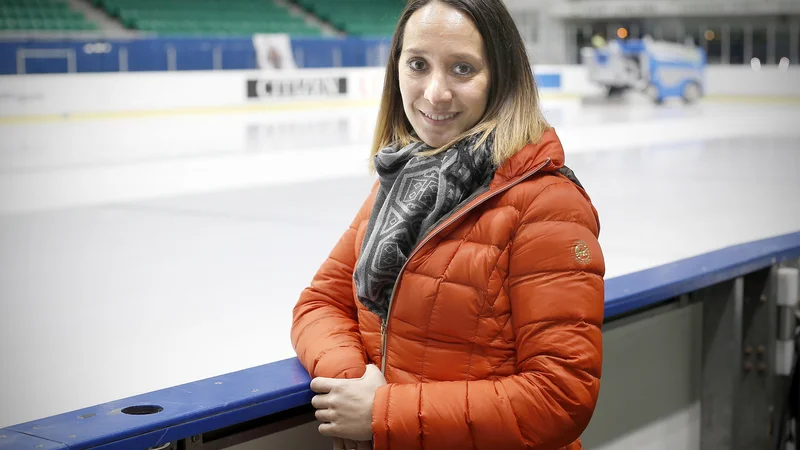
(357, 17)
(41, 15)
(219, 17)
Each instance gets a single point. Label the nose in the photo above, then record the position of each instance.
(437, 90)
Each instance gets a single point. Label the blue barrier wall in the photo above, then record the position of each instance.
(189, 53)
(234, 398)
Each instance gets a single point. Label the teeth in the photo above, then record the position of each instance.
(439, 117)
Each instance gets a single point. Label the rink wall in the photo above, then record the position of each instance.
(275, 398)
(145, 54)
(42, 96)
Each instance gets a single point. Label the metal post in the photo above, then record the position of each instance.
(757, 387)
(738, 353)
(172, 58)
(72, 63)
(572, 44)
(383, 52)
(794, 42)
(748, 43)
(20, 61)
(788, 284)
(722, 362)
(725, 36)
(703, 41)
(337, 56)
(772, 31)
(123, 59)
(217, 57)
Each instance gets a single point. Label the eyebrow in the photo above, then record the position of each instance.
(418, 52)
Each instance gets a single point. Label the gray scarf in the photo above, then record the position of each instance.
(415, 193)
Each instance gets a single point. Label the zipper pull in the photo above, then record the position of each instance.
(383, 336)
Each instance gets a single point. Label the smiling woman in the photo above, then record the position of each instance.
(464, 59)
(443, 74)
(462, 307)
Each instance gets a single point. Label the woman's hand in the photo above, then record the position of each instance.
(345, 406)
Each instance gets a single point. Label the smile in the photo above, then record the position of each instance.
(438, 117)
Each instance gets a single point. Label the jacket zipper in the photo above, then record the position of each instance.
(441, 226)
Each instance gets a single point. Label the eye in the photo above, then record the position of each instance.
(416, 65)
(463, 69)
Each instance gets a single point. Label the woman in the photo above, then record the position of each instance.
(463, 306)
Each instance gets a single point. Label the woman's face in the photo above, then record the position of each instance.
(443, 74)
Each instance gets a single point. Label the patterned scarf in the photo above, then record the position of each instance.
(415, 193)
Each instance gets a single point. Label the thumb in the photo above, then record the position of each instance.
(374, 375)
(372, 369)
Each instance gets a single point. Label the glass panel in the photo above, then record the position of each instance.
(760, 43)
(737, 45)
(782, 42)
(712, 41)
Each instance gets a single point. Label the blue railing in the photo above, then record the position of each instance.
(187, 53)
(155, 419)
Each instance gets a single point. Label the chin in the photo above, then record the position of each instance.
(436, 140)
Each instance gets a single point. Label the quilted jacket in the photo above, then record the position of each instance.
(493, 339)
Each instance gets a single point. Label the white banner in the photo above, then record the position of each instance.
(274, 51)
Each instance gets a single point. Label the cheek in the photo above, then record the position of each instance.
(406, 89)
(477, 94)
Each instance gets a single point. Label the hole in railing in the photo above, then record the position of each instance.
(142, 410)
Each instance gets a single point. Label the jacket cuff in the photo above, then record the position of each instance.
(380, 420)
(340, 362)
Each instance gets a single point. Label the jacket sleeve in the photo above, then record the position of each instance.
(325, 333)
(555, 286)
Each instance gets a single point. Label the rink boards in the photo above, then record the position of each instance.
(159, 418)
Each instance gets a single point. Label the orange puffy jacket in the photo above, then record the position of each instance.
(493, 338)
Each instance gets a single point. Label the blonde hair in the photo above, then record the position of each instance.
(512, 111)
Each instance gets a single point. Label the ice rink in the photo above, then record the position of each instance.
(144, 251)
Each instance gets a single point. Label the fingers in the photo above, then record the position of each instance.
(326, 429)
(338, 444)
(322, 385)
(321, 401)
(325, 415)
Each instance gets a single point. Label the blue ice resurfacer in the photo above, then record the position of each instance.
(659, 69)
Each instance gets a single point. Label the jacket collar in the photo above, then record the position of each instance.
(531, 157)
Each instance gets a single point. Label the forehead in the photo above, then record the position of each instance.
(439, 27)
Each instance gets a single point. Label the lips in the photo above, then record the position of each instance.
(438, 117)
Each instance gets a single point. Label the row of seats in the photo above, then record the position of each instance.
(219, 17)
(29, 13)
(226, 17)
(357, 17)
(46, 25)
(244, 28)
(41, 15)
(33, 3)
